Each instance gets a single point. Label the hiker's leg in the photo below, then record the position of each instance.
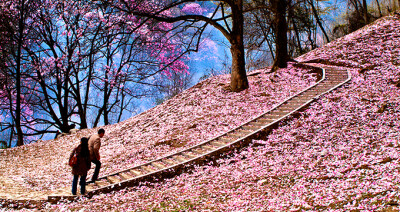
(83, 184)
(96, 170)
(74, 184)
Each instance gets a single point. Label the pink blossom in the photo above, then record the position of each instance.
(193, 8)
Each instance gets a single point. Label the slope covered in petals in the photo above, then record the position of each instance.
(197, 114)
(340, 154)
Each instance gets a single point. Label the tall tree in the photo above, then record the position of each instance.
(279, 8)
(318, 19)
(296, 22)
(227, 17)
(16, 25)
(365, 11)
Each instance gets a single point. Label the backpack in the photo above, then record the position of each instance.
(74, 159)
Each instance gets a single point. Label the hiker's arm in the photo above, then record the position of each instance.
(96, 146)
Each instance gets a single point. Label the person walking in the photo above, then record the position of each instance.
(94, 147)
(82, 165)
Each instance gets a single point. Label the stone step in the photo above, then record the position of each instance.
(102, 183)
(170, 161)
(126, 175)
(219, 143)
(333, 80)
(311, 93)
(180, 158)
(272, 116)
(236, 135)
(267, 121)
(335, 75)
(257, 124)
(149, 168)
(225, 139)
(315, 93)
(91, 187)
(114, 179)
(190, 154)
(159, 165)
(318, 88)
(290, 105)
(199, 150)
(303, 99)
(278, 113)
(251, 127)
(308, 93)
(306, 96)
(136, 172)
(244, 131)
(298, 100)
(209, 147)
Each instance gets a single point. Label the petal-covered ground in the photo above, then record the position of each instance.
(199, 113)
(340, 154)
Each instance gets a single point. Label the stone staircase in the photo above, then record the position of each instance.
(240, 136)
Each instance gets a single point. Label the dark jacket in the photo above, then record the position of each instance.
(83, 162)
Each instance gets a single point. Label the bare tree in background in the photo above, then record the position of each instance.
(302, 19)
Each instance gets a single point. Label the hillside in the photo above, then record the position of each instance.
(340, 154)
(197, 114)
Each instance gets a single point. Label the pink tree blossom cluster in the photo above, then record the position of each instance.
(193, 8)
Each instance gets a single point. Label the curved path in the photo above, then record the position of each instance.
(238, 137)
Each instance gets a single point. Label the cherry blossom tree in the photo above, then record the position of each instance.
(227, 17)
(78, 66)
(16, 34)
(92, 66)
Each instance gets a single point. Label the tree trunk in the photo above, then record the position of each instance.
(238, 76)
(107, 84)
(20, 138)
(379, 8)
(238, 72)
(365, 11)
(315, 12)
(282, 57)
(64, 113)
(296, 31)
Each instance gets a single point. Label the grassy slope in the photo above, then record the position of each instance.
(340, 154)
